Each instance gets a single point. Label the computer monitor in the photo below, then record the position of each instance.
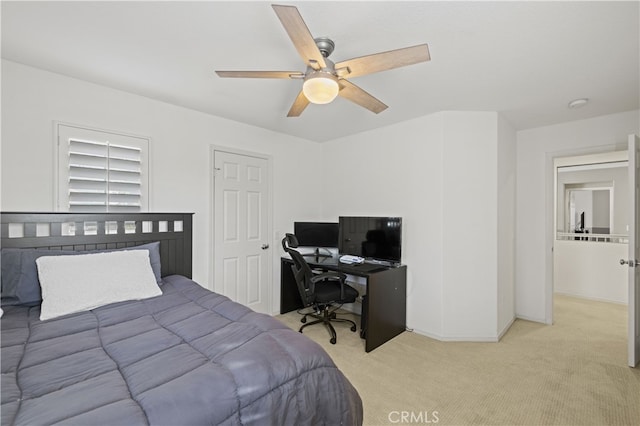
(376, 238)
(317, 235)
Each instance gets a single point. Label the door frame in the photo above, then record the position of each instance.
(633, 313)
(212, 242)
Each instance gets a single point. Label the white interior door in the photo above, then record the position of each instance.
(634, 251)
(241, 218)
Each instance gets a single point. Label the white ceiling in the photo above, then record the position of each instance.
(526, 60)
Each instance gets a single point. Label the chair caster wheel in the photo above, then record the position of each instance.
(353, 328)
(334, 316)
(303, 320)
(333, 340)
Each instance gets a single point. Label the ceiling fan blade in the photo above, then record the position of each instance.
(299, 34)
(385, 60)
(356, 95)
(260, 74)
(298, 106)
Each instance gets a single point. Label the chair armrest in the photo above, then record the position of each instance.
(329, 275)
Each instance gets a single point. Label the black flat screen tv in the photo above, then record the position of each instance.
(376, 238)
(316, 234)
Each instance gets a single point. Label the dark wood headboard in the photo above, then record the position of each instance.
(91, 231)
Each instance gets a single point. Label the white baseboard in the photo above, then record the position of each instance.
(595, 299)
(532, 319)
(479, 339)
(506, 328)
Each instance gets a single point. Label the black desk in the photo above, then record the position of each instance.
(385, 301)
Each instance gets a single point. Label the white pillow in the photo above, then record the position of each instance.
(82, 282)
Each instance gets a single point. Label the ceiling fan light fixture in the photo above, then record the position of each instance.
(320, 87)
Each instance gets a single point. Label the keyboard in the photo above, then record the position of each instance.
(368, 267)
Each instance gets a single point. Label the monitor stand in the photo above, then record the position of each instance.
(318, 254)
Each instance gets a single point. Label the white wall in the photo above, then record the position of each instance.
(470, 226)
(536, 149)
(440, 173)
(397, 171)
(180, 145)
(591, 270)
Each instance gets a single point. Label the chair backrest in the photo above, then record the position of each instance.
(301, 270)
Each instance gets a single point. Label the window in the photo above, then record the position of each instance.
(101, 171)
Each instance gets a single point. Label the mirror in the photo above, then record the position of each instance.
(592, 197)
(588, 210)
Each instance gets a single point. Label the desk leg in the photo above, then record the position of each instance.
(386, 306)
(363, 317)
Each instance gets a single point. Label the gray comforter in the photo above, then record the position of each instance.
(188, 357)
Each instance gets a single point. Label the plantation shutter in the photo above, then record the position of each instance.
(98, 175)
(103, 177)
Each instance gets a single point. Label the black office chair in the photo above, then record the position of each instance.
(325, 292)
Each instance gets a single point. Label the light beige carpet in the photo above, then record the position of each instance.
(572, 373)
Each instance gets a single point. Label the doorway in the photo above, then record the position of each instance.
(632, 230)
(241, 216)
(591, 226)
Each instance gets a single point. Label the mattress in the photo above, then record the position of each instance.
(187, 357)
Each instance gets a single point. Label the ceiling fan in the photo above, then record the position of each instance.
(323, 79)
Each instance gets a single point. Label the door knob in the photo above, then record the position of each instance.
(265, 246)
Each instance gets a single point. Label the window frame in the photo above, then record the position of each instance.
(64, 131)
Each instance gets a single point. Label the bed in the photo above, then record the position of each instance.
(186, 356)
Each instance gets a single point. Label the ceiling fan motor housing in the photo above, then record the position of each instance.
(325, 45)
